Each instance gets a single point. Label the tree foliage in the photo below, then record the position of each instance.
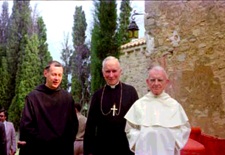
(27, 77)
(4, 18)
(4, 84)
(4, 74)
(103, 41)
(65, 57)
(80, 63)
(43, 54)
(19, 26)
(23, 55)
(124, 21)
(24, 51)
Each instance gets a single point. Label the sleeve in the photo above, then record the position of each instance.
(181, 135)
(132, 132)
(27, 123)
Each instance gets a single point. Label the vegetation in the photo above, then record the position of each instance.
(65, 57)
(24, 51)
(124, 22)
(80, 60)
(107, 36)
(103, 42)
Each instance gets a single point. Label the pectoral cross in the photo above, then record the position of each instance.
(114, 109)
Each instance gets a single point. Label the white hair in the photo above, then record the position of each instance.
(159, 68)
(109, 58)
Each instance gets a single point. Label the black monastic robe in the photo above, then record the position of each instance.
(2, 139)
(49, 123)
(105, 132)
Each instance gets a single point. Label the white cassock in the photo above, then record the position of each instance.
(157, 125)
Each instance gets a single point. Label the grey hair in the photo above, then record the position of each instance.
(158, 68)
(109, 58)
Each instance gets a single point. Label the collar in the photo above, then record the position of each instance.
(113, 86)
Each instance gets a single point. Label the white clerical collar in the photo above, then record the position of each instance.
(113, 86)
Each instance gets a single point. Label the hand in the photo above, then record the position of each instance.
(21, 143)
(12, 152)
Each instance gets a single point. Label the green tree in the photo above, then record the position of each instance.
(124, 21)
(4, 19)
(44, 54)
(19, 26)
(27, 77)
(80, 64)
(4, 74)
(103, 41)
(39, 28)
(4, 84)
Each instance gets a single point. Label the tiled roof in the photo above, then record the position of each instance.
(133, 43)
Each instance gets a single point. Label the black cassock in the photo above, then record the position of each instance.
(49, 123)
(2, 139)
(105, 133)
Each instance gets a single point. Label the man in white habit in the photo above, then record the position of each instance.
(156, 123)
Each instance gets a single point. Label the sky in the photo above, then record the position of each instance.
(58, 18)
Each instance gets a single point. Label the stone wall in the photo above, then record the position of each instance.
(134, 63)
(189, 41)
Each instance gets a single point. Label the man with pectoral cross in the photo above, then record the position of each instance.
(105, 127)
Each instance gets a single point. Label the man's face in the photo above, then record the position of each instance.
(53, 77)
(157, 81)
(111, 72)
(2, 117)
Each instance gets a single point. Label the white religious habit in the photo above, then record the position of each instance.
(157, 125)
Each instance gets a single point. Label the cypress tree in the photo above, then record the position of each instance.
(19, 26)
(65, 57)
(4, 84)
(4, 19)
(124, 21)
(103, 41)
(27, 77)
(4, 73)
(44, 54)
(80, 68)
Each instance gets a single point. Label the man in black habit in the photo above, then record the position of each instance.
(105, 127)
(2, 139)
(49, 123)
